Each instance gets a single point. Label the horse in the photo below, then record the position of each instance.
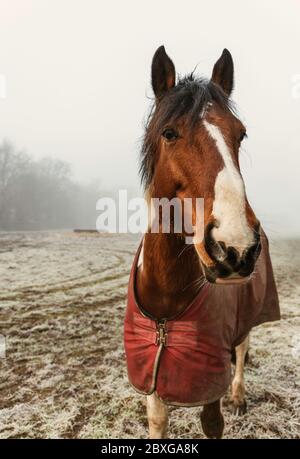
(192, 306)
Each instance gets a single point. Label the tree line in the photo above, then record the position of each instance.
(41, 194)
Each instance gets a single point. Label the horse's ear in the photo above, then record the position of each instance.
(222, 73)
(162, 73)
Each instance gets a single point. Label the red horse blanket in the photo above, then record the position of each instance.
(187, 360)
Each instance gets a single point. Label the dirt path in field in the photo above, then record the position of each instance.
(62, 300)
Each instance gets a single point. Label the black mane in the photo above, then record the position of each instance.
(188, 98)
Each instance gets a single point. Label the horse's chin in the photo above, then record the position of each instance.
(233, 279)
(238, 280)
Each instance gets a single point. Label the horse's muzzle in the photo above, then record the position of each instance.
(230, 266)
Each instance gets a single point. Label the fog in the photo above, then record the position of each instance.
(77, 86)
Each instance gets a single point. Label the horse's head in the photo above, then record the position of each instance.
(191, 150)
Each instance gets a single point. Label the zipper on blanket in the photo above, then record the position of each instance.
(161, 333)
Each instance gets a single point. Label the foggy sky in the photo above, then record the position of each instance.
(77, 74)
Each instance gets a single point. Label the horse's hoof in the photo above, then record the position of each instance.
(212, 426)
(239, 408)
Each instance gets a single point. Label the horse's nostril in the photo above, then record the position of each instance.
(223, 245)
(249, 258)
(252, 252)
(216, 250)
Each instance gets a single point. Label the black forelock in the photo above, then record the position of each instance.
(188, 98)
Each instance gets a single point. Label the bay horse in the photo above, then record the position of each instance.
(191, 306)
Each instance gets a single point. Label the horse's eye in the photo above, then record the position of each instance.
(170, 134)
(243, 136)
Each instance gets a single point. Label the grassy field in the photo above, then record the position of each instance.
(62, 298)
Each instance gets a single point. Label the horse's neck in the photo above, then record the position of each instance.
(169, 275)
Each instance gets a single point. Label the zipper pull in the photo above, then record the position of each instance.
(161, 333)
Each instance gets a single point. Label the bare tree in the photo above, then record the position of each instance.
(42, 194)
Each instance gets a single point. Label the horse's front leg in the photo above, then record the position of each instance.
(238, 382)
(157, 413)
(212, 420)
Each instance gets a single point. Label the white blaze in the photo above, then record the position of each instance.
(229, 207)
